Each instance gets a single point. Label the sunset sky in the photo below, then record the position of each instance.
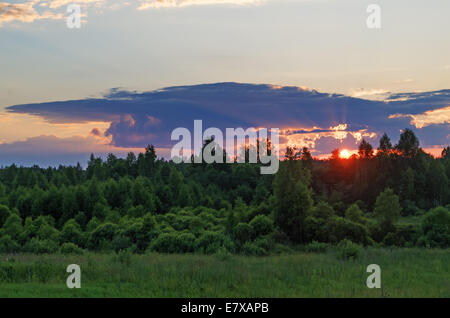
(98, 88)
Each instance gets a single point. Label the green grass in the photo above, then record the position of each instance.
(405, 273)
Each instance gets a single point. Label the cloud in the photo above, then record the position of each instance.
(376, 94)
(24, 12)
(306, 117)
(49, 150)
(30, 124)
(151, 4)
(54, 4)
(96, 132)
(33, 10)
(430, 117)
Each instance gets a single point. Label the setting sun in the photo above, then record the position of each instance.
(344, 154)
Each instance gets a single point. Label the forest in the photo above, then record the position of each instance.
(392, 195)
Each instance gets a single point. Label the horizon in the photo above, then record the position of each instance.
(131, 72)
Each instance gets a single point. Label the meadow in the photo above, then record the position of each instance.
(405, 272)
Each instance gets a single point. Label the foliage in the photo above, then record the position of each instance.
(142, 203)
(348, 250)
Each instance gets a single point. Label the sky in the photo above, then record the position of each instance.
(99, 88)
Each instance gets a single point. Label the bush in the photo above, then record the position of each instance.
(210, 242)
(436, 228)
(42, 271)
(8, 245)
(165, 243)
(37, 246)
(242, 233)
(317, 247)
(252, 249)
(13, 273)
(340, 229)
(71, 248)
(174, 243)
(120, 242)
(261, 225)
(4, 214)
(102, 236)
(348, 250)
(223, 254)
(401, 236)
(124, 258)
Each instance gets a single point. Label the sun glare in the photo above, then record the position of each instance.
(344, 154)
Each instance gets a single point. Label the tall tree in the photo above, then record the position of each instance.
(293, 202)
(385, 144)
(387, 208)
(365, 150)
(446, 153)
(408, 145)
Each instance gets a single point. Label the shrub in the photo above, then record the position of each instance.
(8, 245)
(242, 233)
(186, 242)
(348, 250)
(401, 236)
(340, 228)
(124, 258)
(37, 246)
(323, 211)
(120, 242)
(100, 237)
(317, 247)
(165, 243)
(4, 214)
(174, 243)
(210, 242)
(223, 254)
(354, 214)
(265, 242)
(42, 271)
(436, 228)
(71, 248)
(261, 225)
(71, 233)
(13, 273)
(252, 249)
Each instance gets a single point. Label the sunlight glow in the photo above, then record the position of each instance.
(344, 154)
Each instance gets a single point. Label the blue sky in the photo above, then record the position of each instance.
(317, 44)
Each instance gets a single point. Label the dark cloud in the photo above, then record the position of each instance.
(140, 118)
(96, 132)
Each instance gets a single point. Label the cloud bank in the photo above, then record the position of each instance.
(33, 10)
(148, 4)
(310, 118)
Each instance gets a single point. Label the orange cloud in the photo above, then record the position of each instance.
(430, 117)
(24, 12)
(148, 4)
(15, 127)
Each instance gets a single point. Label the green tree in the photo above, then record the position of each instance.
(437, 183)
(354, 214)
(408, 145)
(13, 226)
(293, 200)
(4, 214)
(387, 208)
(436, 227)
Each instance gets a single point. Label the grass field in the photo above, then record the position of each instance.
(404, 273)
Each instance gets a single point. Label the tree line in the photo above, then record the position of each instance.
(141, 203)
